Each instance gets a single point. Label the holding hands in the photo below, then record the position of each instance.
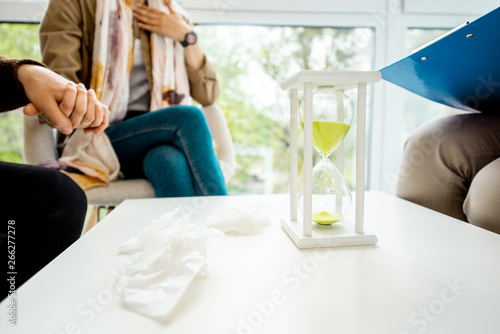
(67, 105)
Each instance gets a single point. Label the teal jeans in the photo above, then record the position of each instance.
(172, 148)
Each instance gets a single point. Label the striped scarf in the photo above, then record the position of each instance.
(112, 61)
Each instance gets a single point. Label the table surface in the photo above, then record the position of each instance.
(427, 274)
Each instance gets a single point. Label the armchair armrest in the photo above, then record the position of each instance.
(222, 140)
(39, 141)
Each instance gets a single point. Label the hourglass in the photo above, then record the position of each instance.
(333, 113)
(326, 116)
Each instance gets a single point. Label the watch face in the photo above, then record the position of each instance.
(191, 38)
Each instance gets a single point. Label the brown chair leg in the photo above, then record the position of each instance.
(110, 208)
(92, 219)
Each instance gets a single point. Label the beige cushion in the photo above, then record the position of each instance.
(120, 190)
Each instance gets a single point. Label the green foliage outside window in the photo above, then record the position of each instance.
(16, 41)
(251, 63)
(19, 41)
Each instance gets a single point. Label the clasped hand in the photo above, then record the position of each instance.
(67, 105)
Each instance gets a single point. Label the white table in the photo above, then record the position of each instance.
(428, 273)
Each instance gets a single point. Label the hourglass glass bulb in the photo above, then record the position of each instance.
(331, 196)
(332, 114)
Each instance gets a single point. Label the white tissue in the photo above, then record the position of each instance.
(242, 220)
(165, 257)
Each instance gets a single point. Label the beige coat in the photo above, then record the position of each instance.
(67, 40)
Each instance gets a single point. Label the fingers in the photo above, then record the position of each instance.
(99, 115)
(90, 115)
(68, 106)
(146, 11)
(169, 25)
(69, 97)
(147, 14)
(61, 122)
(104, 123)
(149, 27)
(169, 6)
(80, 106)
(83, 109)
(30, 110)
(150, 18)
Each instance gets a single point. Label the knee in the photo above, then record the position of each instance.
(71, 204)
(69, 189)
(481, 205)
(65, 204)
(437, 143)
(192, 113)
(186, 119)
(420, 149)
(58, 188)
(66, 189)
(164, 157)
(439, 134)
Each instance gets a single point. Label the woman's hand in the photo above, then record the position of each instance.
(83, 109)
(169, 25)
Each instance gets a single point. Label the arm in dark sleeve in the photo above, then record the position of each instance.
(12, 93)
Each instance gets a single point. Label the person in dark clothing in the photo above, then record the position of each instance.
(42, 210)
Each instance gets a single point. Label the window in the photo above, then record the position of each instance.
(16, 41)
(251, 63)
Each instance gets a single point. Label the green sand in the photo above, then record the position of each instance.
(327, 135)
(325, 218)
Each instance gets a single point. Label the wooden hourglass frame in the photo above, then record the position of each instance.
(301, 229)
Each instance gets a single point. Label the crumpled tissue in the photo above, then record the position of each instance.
(242, 220)
(165, 257)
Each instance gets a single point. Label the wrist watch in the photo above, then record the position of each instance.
(189, 39)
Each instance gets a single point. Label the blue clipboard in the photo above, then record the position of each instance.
(460, 70)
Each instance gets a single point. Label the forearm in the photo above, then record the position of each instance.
(201, 73)
(12, 93)
(194, 56)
